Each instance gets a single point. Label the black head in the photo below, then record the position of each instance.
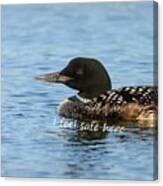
(86, 75)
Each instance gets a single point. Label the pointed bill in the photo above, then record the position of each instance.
(55, 77)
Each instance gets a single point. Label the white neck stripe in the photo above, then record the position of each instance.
(83, 100)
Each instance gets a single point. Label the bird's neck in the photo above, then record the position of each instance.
(92, 94)
(95, 90)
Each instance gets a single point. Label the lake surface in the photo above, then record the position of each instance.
(37, 39)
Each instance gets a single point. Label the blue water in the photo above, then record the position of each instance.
(37, 39)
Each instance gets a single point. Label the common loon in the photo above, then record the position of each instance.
(96, 100)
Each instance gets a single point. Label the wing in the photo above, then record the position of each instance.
(126, 103)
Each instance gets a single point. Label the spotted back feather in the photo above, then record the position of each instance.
(143, 95)
(123, 103)
(127, 103)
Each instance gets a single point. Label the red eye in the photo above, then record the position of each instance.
(79, 71)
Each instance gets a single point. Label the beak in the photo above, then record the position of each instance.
(54, 77)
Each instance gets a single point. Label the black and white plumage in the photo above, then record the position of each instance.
(123, 104)
(96, 100)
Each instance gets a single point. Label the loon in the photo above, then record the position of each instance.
(96, 100)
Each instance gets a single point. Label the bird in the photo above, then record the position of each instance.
(97, 100)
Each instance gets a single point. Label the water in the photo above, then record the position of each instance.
(37, 39)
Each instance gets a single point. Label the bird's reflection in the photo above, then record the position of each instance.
(96, 130)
